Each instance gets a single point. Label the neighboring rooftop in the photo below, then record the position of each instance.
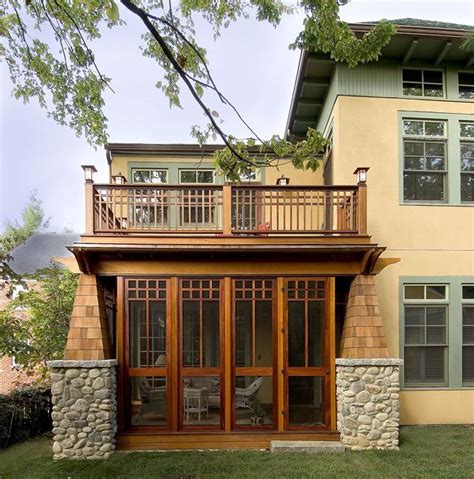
(418, 22)
(36, 252)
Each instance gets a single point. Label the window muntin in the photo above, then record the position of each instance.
(418, 82)
(196, 176)
(424, 160)
(426, 335)
(149, 175)
(467, 160)
(468, 335)
(466, 85)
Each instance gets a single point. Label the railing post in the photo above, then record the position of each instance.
(227, 209)
(362, 207)
(89, 171)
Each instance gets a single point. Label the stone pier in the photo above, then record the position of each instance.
(84, 397)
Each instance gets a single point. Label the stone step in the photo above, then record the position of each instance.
(313, 447)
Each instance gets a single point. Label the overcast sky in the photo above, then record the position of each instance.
(251, 64)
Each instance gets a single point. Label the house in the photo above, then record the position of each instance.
(217, 315)
(36, 253)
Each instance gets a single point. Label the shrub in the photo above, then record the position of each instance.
(24, 413)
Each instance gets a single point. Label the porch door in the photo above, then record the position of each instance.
(254, 353)
(201, 353)
(147, 350)
(306, 354)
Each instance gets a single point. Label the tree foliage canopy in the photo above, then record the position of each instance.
(39, 333)
(62, 74)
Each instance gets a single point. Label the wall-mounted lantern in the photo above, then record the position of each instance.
(119, 179)
(89, 171)
(361, 174)
(283, 181)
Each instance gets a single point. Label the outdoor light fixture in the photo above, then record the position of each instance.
(283, 181)
(361, 174)
(118, 179)
(89, 171)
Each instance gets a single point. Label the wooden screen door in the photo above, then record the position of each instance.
(201, 353)
(306, 354)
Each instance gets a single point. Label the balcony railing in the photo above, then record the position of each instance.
(226, 210)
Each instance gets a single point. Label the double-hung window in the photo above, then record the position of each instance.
(424, 160)
(466, 85)
(419, 82)
(468, 335)
(467, 161)
(426, 335)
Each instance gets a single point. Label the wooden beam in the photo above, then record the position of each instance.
(443, 52)
(310, 102)
(410, 51)
(305, 119)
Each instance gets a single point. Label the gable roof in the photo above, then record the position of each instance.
(36, 252)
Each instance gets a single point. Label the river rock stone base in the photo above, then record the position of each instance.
(368, 393)
(84, 408)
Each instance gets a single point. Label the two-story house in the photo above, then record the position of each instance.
(218, 315)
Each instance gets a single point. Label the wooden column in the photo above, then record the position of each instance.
(89, 336)
(227, 209)
(362, 334)
(89, 207)
(362, 207)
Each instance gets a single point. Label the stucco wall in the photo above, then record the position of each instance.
(429, 240)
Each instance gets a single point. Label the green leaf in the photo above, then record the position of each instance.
(112, 12)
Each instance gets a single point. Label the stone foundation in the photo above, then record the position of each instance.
(368, 392)
(84, 408)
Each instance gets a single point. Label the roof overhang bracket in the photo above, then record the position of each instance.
(410, 51)
(443, 52)
(470, 62)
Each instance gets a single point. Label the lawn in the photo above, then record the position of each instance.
(428, 452)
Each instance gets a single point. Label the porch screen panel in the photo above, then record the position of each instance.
(201, 383)
(253, 387)
(146, 362)
(307, 354)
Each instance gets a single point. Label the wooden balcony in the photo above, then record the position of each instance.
(226, 211)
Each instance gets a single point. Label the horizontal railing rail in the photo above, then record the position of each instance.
(226, 210)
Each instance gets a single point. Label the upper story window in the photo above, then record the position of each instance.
(424, 160)
(468, 335)
(467, 161)
(426, 334)
(149, 175)
(466, 85)
(196, 176)
(418, 82)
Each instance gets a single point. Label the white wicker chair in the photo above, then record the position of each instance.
(244, 396)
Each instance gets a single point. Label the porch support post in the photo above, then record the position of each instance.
(367, 379)
(84, 391)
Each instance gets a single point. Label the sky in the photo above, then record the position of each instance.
(250, 62)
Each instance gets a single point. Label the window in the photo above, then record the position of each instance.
(468, 335)
(196, 176)
(467, 161)
(418, 82)
(149, 175)
(466, 85)
(424, 160)
(426, 335)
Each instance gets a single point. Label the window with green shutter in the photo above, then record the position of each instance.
(468, 335)
(467, 161)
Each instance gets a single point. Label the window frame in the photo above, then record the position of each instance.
(426, 139)
(469, 72)
(133, 169)
(469, 303)
(454, 325)
(463, 140)
(196, 171)
(426, 303)
(422, 83)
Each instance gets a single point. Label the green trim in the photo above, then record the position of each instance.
(453, 187)
(454, 327)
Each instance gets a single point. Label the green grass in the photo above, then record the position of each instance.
(427, 452)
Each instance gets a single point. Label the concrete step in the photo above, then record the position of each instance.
(313, 447)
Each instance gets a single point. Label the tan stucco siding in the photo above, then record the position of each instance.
(430, 240)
